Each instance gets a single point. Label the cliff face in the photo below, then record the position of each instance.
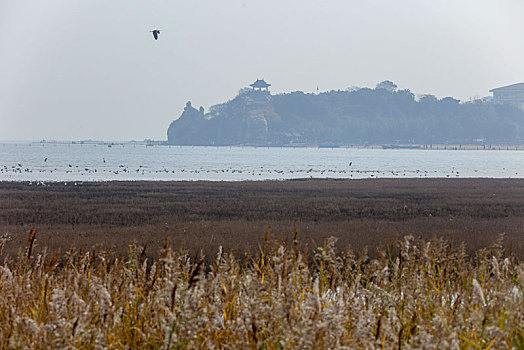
(244, 120)
(361, 116)
(190, 129)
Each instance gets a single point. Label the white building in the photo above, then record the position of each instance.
(511, 94)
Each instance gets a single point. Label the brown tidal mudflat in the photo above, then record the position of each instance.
(236, 215)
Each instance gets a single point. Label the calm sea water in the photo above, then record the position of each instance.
(36, 162)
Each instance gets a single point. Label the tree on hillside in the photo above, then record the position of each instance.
(387, 85)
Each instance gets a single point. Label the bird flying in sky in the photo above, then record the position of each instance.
(156, 33)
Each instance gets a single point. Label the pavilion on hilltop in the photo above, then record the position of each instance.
(260, 85)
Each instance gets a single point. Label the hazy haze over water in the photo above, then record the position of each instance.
(72, 69)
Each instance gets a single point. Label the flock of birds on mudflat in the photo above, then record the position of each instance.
(123, 172)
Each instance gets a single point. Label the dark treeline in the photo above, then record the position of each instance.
(382, 115)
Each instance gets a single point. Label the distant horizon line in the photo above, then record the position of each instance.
(151, 142)
(83, 141)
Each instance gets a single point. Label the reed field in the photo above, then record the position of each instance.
(313, 264)
(415, 294)
(234, 215)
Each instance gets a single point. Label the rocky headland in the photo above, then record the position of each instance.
(384, 115)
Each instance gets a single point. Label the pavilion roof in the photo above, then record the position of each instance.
(260, 83)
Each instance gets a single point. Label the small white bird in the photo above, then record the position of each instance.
(156, 33)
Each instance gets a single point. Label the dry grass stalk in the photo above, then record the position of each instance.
(30, 241)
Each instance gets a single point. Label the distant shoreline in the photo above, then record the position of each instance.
(424, 147)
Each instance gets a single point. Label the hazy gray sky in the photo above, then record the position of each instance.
(77, 69)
